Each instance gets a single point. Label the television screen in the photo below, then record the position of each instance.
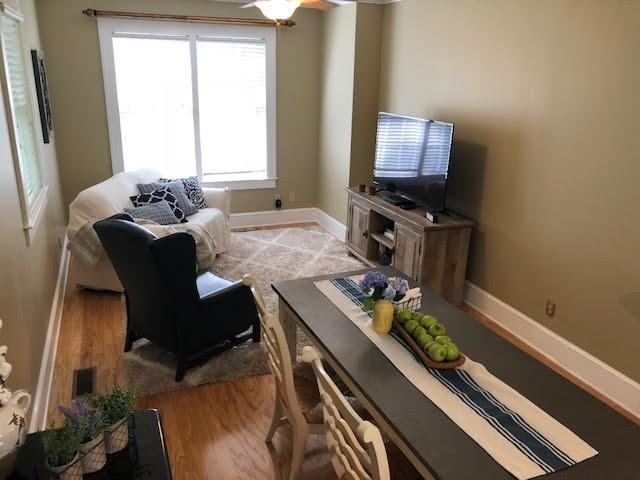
(412, 158)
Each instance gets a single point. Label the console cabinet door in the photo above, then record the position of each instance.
(359, 228)
(407, 256)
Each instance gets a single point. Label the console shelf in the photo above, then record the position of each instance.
(434, 254)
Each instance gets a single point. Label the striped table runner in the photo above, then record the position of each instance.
(516, 433)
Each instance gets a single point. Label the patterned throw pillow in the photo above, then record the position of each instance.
(193, 190)
(158, 196)
(159, 212)
(177, 188)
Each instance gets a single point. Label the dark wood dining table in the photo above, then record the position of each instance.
(433, 443)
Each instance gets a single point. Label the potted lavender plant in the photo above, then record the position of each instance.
(90, 426)
(115, 408)
(61, 450)
(381, 291)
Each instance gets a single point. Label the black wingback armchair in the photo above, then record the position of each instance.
(194, 316)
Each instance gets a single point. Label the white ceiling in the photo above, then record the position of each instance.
(379, 2)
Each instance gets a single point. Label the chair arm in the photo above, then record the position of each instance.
(219, 198)
(217, 316)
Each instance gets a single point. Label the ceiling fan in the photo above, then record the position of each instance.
(283, 9)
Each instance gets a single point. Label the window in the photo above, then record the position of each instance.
(191, 99)
(21, 118)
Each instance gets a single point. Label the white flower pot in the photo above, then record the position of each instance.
(13, 429)
(94, 455)
(70, 471)
(117, 436)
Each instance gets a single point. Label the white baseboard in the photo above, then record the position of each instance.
(285, 217)
(272, 217)
(45, 377)
(603, 378)
(334, 226)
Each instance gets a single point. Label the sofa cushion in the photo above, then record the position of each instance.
(159, 212)
(158, 196)
(193, 190)
(177, 188)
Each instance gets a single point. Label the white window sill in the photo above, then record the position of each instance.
(241, 184)
(35, 216)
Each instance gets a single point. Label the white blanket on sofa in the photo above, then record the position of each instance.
(86, 245)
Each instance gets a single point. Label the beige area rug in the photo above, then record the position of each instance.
(270, 256)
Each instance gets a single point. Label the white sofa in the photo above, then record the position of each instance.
(112, 196)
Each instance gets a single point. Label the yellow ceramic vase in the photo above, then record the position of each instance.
(382, 316)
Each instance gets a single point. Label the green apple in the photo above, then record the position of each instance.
(424, 339)
(437, 329)
(437, 352)
(410, 326)
(427, 321)
(404, 316)
(418, 331)
(427, 346)
(443, 339)
(417, 316)
(453, 352)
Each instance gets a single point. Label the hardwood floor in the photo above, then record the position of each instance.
(212, 431)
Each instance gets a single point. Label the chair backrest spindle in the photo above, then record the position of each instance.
(356, 445)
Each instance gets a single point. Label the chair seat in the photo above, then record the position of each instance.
(309, 397)
(208, 283)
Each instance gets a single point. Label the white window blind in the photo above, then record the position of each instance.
(399, 146)
(22, 110)
(155, 104)
(437, 149)
(233, 107)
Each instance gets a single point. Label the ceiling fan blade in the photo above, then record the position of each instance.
(325, 4)
(248, 5)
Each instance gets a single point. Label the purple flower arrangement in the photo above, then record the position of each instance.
(85, 420)
(377, 286)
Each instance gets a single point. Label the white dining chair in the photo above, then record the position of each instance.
(358, 449)
(356, 445)
(297, 396)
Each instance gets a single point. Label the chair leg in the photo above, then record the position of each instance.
(278, 413)
(256, 332)
(181, 369)
(299, 442)
(128, 342)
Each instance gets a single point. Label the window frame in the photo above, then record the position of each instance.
(32, 212)
(110, 27)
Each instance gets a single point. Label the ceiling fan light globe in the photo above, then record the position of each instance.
(277, 9)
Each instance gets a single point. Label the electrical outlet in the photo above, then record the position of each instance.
(277, 201)
(292, 197)
(551, 309)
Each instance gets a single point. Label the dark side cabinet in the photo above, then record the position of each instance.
(434, 254)
(144, 459)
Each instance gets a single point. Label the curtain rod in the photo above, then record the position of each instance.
(90, 12)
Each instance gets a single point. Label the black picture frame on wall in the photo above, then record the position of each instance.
(42, 90)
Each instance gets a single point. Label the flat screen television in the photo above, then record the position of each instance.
(412, 158)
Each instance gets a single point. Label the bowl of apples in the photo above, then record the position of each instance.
(428, 339)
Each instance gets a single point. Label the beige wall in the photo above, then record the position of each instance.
(28, 275)
(336, 110)
(545, 99)
(366, 86)
(350, 88)
(77, 91)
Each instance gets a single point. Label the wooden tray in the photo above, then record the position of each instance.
(408, 339)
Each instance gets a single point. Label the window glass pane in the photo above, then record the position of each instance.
(23, 112)
(155, 102)
(232, 97)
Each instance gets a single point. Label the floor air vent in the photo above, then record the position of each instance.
(84, 382)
